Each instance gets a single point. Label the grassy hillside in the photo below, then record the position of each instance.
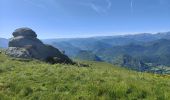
(35, 80)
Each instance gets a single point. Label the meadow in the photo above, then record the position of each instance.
(36, 80)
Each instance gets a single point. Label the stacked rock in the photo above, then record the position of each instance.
(24, 37)
(25, 44)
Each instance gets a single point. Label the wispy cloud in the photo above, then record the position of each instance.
(42, 3)
(131, 5)
(163, 2)
(101, 8)
(36, 4)
(109, 4)
(96, 8)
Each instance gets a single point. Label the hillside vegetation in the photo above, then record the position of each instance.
(87, 55)
(149, 49)
(35, 80)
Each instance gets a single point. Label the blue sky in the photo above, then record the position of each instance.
(83, 18)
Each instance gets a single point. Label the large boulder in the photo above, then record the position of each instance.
(25, 44)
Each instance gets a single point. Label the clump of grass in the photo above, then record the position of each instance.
(36, 80)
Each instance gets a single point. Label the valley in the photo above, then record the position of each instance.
(148, 50)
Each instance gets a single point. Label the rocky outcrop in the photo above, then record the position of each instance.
(25, 44)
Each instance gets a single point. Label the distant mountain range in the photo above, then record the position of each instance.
(3, 43)
(96, 43)
(143, 51)
(87, 55)
(156, 52)
(138, 52)
(105, 41)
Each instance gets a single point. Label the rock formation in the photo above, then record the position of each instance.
(25, 44)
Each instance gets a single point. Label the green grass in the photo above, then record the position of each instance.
(36, 80)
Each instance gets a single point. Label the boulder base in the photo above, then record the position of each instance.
(18, 52)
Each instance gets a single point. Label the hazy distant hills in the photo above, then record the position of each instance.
(87, 55)
(156, 52)
(3, 43)
(66, 47)
(88, 43)
(99, 43)
(139, 49)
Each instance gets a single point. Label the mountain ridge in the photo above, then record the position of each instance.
(146, 47)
